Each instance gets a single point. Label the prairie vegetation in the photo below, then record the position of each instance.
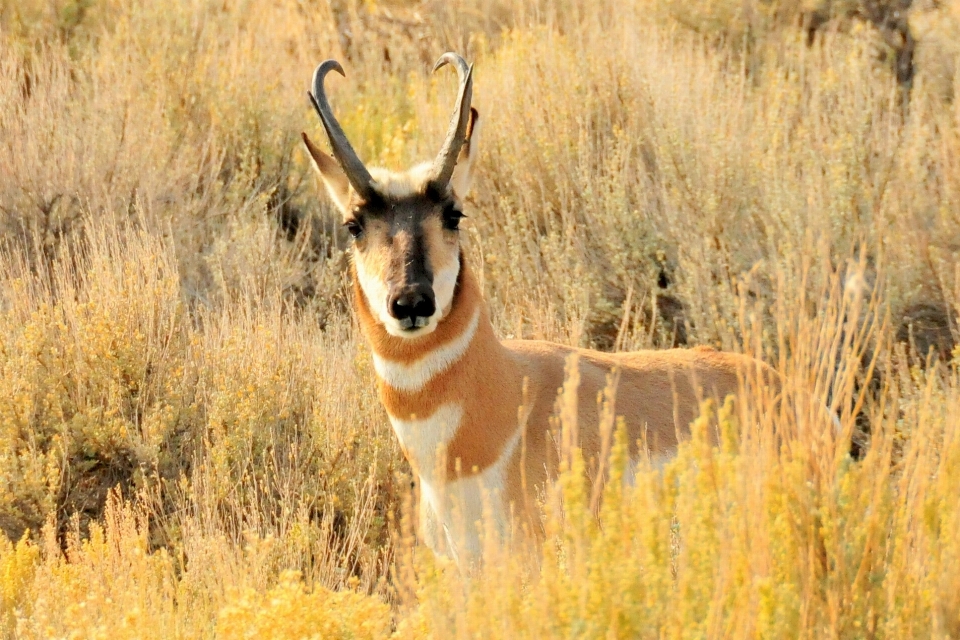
(190, 441)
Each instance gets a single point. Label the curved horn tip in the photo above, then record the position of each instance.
(343, 152)
(331, 65)
(324, 68)
(450, 57)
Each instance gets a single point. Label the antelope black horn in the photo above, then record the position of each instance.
(456, 135)
(343, 151)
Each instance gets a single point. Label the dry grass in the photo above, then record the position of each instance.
(187, 414)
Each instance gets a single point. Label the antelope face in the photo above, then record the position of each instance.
(405, 226)
(407, 255)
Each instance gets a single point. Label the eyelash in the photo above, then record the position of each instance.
(451, 219)
(451, 222)
(354, 228)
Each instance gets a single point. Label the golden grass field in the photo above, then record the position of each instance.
(190, 441)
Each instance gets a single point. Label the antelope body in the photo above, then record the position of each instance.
(479, 442)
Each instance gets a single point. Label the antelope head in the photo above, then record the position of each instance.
(405, 226)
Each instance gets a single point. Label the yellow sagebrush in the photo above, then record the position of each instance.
(190, 443)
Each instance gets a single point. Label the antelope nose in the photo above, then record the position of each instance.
(412, 307)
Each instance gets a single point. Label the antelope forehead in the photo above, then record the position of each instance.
(406, 184)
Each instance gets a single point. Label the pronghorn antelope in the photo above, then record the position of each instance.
(454, 392)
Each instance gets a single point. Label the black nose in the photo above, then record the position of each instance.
(412, 306)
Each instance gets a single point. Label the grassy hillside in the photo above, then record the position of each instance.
(190, 441)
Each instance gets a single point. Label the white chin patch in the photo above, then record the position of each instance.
(444, 283)
(376, 292)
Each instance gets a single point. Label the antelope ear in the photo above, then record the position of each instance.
(463, 172)
(332, 175)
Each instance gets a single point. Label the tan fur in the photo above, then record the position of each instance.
(440, 373)
(485, 371)
(399, 185)
(658, 394)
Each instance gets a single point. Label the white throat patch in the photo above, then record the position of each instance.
(421, 438)
(414, 376)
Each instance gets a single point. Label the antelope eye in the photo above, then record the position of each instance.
(354, 228)
(451, 218)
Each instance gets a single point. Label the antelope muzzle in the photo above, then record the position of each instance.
(412, 305)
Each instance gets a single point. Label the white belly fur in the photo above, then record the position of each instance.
(458, 505)
(461, 505)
